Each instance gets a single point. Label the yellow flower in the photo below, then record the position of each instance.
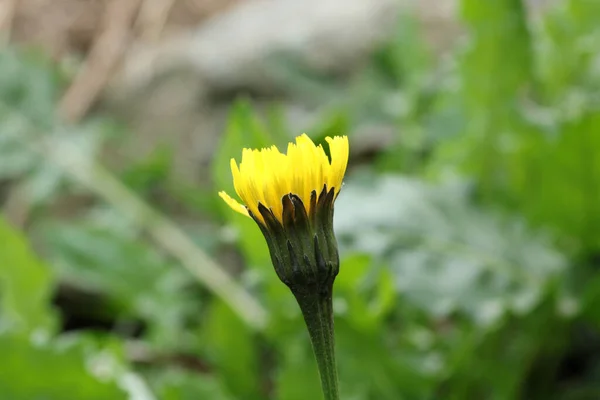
(266, 176)
(291, 196)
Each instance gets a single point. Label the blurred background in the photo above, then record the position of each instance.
(469, 223)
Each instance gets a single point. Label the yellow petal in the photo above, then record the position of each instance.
(339, 149)
(266, 175)
(234, 204)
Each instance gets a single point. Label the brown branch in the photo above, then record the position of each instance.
(153, 17)
(8, 9)
(107, 51)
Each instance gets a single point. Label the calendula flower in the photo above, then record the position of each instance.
(291, 196)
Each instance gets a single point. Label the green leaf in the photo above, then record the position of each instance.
(491, 81)
(563, 193)
(495, 71)
(30, 84)
(372, 366)
(182, 385)
(146, 175)
(29, 91)
(530, 134)
(445, 254)
(364, 292)
(25, 284)
(56, 371)
(233, 350)
(102, 255)
(492, 84)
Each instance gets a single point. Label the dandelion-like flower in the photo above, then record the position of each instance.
(291, 196)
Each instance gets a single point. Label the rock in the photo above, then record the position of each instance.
(179, 91)
(235, 49)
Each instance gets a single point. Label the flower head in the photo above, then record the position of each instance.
(291, 196)
(265, 176)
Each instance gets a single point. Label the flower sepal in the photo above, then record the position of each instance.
(302, 246)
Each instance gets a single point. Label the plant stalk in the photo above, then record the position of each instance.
(317, 309)
(63, 152)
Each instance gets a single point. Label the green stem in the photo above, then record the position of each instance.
(317, 309)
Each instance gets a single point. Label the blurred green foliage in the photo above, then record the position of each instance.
(470, 244)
